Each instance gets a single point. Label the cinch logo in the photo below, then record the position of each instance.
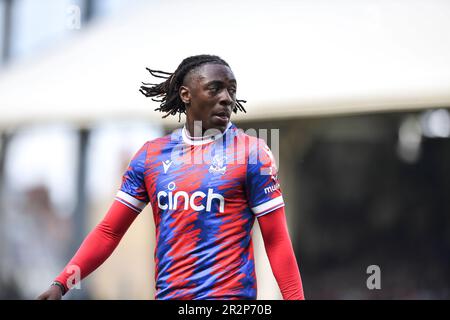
(172, 199)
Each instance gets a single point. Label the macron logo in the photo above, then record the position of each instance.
(166, 165)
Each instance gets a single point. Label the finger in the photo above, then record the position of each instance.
(42, 297)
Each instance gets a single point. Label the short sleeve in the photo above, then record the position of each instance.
(133, 192)
(263, 187)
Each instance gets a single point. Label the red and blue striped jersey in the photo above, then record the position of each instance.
(205, 194)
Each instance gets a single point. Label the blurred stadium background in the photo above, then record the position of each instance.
(359, 90)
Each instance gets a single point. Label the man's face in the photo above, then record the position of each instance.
(210, 94)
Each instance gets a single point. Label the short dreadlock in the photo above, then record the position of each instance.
(167, 92)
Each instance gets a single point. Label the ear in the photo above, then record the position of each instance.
(185, 94)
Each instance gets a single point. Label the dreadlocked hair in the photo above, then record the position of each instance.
(166, 92)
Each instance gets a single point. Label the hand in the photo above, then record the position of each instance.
(53, 293)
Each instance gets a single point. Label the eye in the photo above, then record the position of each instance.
(214, 88)
(232, 90)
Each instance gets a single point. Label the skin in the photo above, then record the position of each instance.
(209, 94)
(52, 293)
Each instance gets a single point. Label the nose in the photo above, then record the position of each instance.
(226, 99)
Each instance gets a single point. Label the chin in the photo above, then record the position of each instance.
(218, 125)
(221, 127)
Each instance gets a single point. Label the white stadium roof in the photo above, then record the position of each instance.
(291, 59)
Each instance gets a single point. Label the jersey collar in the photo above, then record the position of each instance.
(196, 141)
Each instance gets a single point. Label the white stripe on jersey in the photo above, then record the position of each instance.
(268, 206)
(131, 200)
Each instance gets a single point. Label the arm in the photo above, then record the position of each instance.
(95, 249)
(281, 254)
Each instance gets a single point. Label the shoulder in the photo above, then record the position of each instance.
(248, 137)
(162, 142)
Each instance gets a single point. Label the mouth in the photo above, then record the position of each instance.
(222, 115)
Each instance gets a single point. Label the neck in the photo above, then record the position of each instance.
(194, 127)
